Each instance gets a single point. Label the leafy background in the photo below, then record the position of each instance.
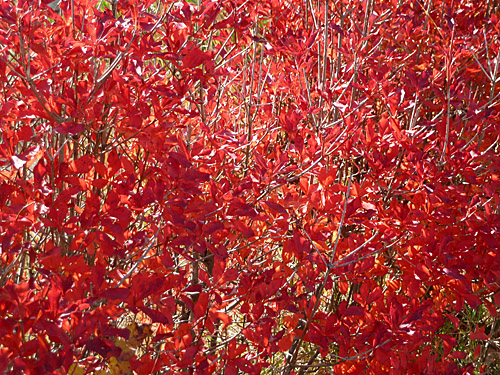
(278, 187)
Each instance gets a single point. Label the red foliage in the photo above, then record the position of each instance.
(249, 187)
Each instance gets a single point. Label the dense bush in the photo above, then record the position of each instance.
(261, 187)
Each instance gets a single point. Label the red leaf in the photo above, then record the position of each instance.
(120, 294)
(218, 269)
(83, 164)
(448, 344)
(200, 308)
(354, 311)
(231, 369)
(156, 316)
(478, 334)
(477, 352)
(70, 128)
(458, 355)
(243, 229)
(55, 332)
(194, 58)
(285, 343)
(275, 206)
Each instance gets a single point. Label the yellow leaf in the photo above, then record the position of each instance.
(114, 367)
(138, 334)
(74, 369)
(117, 367)
(125, 367)
(133, 339)
(127, 352)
